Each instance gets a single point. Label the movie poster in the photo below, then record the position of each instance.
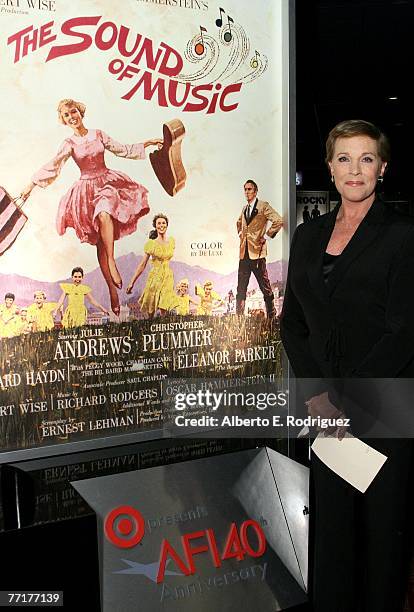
(137, 260)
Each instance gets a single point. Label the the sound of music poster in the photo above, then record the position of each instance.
(143, 186)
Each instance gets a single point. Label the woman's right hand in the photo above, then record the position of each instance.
(321, 406)
(27, 191)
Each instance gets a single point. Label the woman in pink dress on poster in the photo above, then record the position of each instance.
(103, 205)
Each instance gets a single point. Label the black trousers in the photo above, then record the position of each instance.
(258, 267)
(360, 544)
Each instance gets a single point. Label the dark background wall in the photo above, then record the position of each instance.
(351, 57)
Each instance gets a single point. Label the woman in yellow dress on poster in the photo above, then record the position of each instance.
(76, 313)
(210, 300)
(159, 289)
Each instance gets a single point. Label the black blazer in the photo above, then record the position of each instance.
(361, 323)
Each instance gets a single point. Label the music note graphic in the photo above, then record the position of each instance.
(254, 62)
(228, 35)
(219, 22)
(199, 48)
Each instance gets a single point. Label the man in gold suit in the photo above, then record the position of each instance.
(257, 223)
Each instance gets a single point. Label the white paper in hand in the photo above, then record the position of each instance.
(350, 458)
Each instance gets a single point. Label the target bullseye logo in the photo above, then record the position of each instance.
(124, 526)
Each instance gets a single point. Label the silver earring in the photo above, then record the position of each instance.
(332, 178)
(380, 179)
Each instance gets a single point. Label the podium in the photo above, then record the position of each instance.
(228, 532)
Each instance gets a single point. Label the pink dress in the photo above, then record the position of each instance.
(98, 188)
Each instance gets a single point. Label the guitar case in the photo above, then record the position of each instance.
(166, 162)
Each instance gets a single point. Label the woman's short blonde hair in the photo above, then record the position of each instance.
(357, 127)
(69, 102)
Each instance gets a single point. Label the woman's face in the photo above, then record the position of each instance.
(71, 117)
(356, 167)
(161, 226)
(77, 278)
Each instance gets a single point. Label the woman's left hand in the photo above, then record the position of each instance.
(25, 193)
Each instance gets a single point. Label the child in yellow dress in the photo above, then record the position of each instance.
(8, 316)
(76, 313)
(41, 312)
(210, 300)
(23, 323)
(159, 289)
(182, 299)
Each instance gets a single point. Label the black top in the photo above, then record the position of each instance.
(328, 265)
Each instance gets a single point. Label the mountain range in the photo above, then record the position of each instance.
(24, 287)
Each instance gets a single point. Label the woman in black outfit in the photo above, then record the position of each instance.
(348, 314)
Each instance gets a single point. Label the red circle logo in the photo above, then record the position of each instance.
(124, 526)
